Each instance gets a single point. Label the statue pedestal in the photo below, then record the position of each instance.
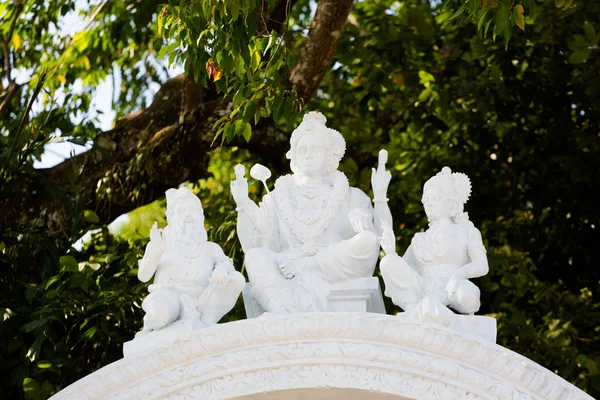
(180, 330)
(324, 356)
(357, 295)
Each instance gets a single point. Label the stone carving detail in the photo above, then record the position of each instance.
(373, 352)
(312, 230)
(434, 272)
(194, 281)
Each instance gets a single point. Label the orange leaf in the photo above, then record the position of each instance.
(521, 18)
(210, 67)
(399, 79)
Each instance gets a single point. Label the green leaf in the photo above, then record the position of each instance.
(89, 334)
(579, 56)
(458, 12)
(44, 364)
(578, 42)
(247, 131)
(481, 20)
(32, 389)
(91, 216)
(590, 33)
(235, 9)
(167, 49)
(69, 263)
(255, 60)
(30, 326)
(425, 77)
(249, 111)
(278, 108)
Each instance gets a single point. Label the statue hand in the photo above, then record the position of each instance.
(453, 283)
(359, 219)
(239, 186)
(288, 266)
(380, 177)
(388, 240)
(157, 242)
(156, 233)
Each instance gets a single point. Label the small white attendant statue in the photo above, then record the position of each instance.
(311, 231)
(435, 270)
(193, 279)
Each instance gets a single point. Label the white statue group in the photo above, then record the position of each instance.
(311, 231)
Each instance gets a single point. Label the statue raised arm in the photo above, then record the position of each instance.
(253, 226)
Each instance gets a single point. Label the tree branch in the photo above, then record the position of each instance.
(164, 145)
(315, 57)
(12, 86)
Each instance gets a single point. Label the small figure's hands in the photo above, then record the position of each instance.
(239, 186)
(453, 283)
(380, 177)
(156, 233)
(388, 240)
(157, 242)
(288, 266)
(360, 220)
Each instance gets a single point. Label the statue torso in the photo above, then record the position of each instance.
(440, 252)
(184, 266)
(311, 217)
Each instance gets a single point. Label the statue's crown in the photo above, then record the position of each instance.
(313, 121)
(459, 183)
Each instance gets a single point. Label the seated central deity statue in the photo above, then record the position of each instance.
(311, 231)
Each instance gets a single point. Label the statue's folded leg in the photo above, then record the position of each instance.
(267, 281)
(466, 299)
(161, 307)
(218, 299)
(352, 258)
(402, 283)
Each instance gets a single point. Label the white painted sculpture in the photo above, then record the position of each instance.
(434, 272)
(311, 231)
(193, 279)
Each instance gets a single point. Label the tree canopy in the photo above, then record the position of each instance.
(506, 91)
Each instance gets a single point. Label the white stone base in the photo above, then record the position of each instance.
(180, 330)
(325, 356)
(358, 295)
(470, 325)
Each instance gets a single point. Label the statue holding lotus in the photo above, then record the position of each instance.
(313, 229)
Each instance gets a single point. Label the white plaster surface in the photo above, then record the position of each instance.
(312, 231)
(360, 294)
(315, 355)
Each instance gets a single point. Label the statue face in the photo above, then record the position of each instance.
(436, 203)
(189, 222)
(311, 156)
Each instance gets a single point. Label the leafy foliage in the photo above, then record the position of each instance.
(225, 42)
(432, 83)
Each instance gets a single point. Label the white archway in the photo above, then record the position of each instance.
(325, 356)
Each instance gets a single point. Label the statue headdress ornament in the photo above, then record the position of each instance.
(314, 122)
(457, 187)
(455, 184)
(176, 196)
